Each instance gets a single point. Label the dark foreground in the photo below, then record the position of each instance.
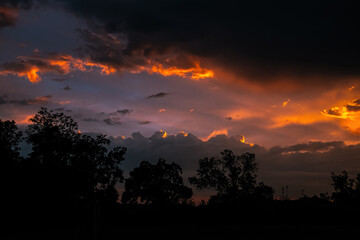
(276, 220)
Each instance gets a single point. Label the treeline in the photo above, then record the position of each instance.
(68, 169)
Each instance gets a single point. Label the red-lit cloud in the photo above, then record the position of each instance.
(195, 72)
(31, 67)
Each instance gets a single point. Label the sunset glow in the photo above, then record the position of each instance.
(25, 119)
(164, 134)
(195, 72)
(215, 133)
(183, 133)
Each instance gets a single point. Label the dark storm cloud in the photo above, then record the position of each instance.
(260, 39)
(108, 49)
(32, 101)
(24, 4)
(158, 95)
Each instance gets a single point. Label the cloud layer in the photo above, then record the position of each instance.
(302, 166)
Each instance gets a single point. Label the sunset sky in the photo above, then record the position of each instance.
(281, 80)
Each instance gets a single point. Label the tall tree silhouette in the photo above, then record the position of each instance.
(157, 184)
(69, 167)
(232, 176)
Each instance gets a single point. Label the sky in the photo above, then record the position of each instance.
(186, 79)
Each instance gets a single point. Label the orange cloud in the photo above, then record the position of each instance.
(183, 133)
(164, 134)
(285, 103)
(25, 119)
(348, 114)
(195, 72)
(337, 112)
(64, 102)
(31, 74)
(31, 67)
(215, 133)
(349, 111)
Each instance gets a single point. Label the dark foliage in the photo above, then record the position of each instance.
(347, 190)
(70, 167)
(10, 137)
(156, 184)
(233, 177)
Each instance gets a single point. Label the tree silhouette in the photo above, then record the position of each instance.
(10, 159)
(69, 167)
(10, 137)
(156, 184)
(347, 190)
(233, 177)
(53, 137)
(97, 170)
